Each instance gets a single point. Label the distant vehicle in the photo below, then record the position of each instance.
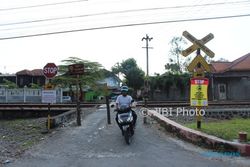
(66, 99)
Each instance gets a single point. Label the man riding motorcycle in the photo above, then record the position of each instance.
(124, 99)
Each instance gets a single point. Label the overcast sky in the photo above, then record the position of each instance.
(111, 45)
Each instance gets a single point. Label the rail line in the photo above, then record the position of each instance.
(225, 104)
(22, 106)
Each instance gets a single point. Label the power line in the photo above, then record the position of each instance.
(119, 12)
(42, 5)
(125, 25)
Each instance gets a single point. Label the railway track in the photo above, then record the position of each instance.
(225, 104)
(29, 105)
(22, 106)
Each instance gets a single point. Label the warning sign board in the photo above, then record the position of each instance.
(49, 96)
(198, 92)
(196, 60)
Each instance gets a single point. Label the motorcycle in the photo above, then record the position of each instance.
(125, 119)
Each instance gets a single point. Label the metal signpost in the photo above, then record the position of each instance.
(199, 84)
(77, 69)
(49, 95)
(107, 103)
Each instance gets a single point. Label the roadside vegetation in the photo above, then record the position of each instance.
(18, 135)
(225, 129)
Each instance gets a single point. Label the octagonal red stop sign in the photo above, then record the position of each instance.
(50, 70)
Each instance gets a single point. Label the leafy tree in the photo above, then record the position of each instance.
(92, 74)
(134, 76)
(34, 86)
(177, 64)
(168, 80)
(222, 60)
(9, 84)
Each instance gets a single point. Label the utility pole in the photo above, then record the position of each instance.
(146, 85)
(147, 39)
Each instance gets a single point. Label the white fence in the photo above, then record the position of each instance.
(25, 95)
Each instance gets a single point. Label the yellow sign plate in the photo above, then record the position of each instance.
(198, 92)
(49, 86)
(194, 63)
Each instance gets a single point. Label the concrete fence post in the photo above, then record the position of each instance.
(6, 95)
(24, 95)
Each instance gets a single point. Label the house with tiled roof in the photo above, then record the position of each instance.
(27, 77)
(231, 80)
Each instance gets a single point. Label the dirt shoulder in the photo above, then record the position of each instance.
(19, 135)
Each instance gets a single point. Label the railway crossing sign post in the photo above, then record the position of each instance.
(49, 95)
(77, 69)
(198, 44)
(199, 84)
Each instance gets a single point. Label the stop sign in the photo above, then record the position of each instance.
(50, 70)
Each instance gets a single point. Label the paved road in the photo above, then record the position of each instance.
(96, 144)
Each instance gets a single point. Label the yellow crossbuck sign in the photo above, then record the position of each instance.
(198, 44)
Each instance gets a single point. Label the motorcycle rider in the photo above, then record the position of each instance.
(125, 99)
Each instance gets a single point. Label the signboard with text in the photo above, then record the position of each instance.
(76, 69)
(198, 92)
(49, 96)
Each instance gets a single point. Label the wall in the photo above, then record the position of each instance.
(173, 94)
(25, 95)
(236, 88)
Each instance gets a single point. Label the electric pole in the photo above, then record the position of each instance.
(147, 38)
(146, 85)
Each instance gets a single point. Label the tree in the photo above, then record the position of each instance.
(176, 64)
(9, 84)
(34, 86)
(92, 74)
(134, 76)
(222, 60)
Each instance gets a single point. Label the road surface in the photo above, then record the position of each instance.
(96, 144)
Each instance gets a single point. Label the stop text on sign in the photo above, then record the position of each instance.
(50, 70)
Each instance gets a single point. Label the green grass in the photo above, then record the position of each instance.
(226, 129)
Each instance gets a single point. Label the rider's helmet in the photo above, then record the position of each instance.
(124, 89)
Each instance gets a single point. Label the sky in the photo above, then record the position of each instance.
(119, 42)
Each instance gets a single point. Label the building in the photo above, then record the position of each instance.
(27, 77)
(231, 80)
(112, 81)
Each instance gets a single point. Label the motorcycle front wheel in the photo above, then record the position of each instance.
(127, 136)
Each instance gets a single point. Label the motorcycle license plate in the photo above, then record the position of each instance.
(125, 127)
